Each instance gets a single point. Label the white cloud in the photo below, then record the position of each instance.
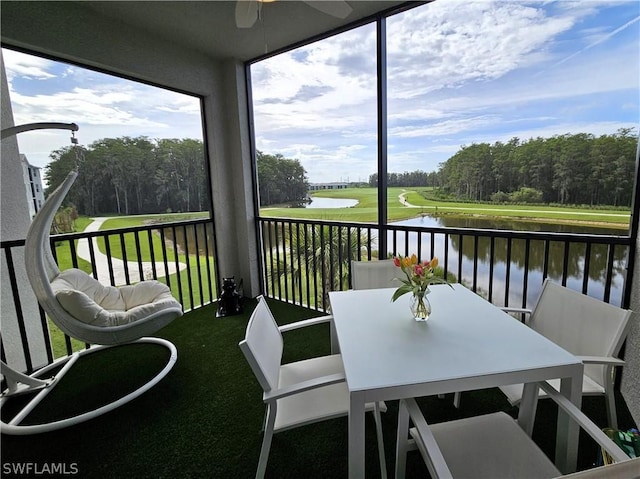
(102, 105)
(21, 65)
(448, 43)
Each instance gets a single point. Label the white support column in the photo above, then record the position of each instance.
(228, 139)
(14, 222)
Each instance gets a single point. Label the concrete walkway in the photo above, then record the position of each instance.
(102, 262)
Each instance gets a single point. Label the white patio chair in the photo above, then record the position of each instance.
(495, 446)
(373, 274)
(590, 329)
(368, 275)
(299, 393)
(85, 310)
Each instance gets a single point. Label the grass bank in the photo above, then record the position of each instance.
(409, 203)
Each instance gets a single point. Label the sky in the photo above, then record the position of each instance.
(459, 72)
(103, 106)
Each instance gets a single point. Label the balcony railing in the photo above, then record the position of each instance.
(305, 259)
(179, 254)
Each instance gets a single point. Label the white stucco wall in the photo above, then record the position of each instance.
(630, 385)
(15, 221)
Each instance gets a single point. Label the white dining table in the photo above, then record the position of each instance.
(466, 344)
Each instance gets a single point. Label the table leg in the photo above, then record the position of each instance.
(568, 430)
(402, 441)
(356, 436)
(528, 407)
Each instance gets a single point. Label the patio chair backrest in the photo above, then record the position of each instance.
(582, 325)
(263, 345)
(374, 274)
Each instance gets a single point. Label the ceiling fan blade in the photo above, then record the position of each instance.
(246, 13)
(335, 8)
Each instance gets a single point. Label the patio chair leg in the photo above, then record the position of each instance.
(266, 441)
(383, 460)
(456, 399)
(610, 399)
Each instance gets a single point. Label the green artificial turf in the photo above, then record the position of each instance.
(204, 419)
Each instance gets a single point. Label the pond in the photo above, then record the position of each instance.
(518, 258)
(317, 202)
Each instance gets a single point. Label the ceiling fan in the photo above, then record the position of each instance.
(248, 11)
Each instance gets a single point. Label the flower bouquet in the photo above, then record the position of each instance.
(419, 275)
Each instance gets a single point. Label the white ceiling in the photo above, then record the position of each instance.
(207, 27)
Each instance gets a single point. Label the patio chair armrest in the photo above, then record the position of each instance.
(585, 423)
(304, 386)
(606, 360)
(304, 323)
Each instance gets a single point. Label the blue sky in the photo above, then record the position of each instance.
(459, 72)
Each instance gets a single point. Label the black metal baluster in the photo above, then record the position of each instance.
(198, 260)
(585, 271)
(565, 263)
(460, 256)
(187, 260)
(608, 281)
(107, 247)
(492, 258)
(298, 275)
(165, 258)
(152, 253)
(125, 262)
(525, 280)
(284, 273)
(136, 238)
(475, 263)
(545, 265)
(507, 274)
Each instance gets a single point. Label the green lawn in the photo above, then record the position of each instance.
(366, 210)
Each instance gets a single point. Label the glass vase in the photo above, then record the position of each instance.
(420, 306)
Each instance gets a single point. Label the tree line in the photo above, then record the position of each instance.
(139, 176)
(566, 169)
(280, 179)
(133, 176)
(407, 179)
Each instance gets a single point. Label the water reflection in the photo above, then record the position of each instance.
(462, 251)
(467, 258)
(331, 203)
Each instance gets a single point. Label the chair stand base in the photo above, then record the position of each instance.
(20, 384)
